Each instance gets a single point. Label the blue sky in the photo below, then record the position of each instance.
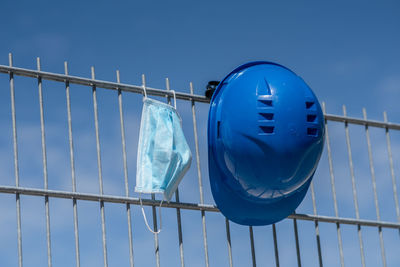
(348, 53)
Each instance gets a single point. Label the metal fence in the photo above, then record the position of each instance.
(368, 234)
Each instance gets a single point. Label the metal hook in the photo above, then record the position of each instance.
(144, 85)
(173, 92)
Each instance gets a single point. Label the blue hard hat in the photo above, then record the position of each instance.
(265, 137)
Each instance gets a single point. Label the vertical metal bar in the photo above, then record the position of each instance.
(228, 239)
(253, 252)
(96, 124)
(128, 206)
(203, 218)
(316, 226)
(16, 169)
(394, 185)
(353, 183)
(372, 169)
(71, 155)
(296, 235)
(180, 239)
(44, 159)
(178, 210)
(328, 145)
(168, 88)
(155, 227)
(153, 208)
(275, 245)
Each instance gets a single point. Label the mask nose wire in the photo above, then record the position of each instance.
(173, 92)
(144, 86)
(145, 218)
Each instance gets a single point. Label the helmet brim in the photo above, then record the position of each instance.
(247, 212)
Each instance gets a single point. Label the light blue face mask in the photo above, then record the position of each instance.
(163, 154)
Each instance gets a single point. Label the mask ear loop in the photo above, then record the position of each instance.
(144, 86)
(173, 92)
(145, 218)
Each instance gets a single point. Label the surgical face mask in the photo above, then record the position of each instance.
(163, 154)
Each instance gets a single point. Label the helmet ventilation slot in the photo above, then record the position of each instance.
(266, 116)
(309, 104)
(267, 129)
(311, 118)
(312, 131)
(264, 103)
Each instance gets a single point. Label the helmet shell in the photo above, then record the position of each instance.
(265, 137)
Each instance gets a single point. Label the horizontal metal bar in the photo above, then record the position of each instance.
(105, 198)
(388, 125)
(164, 93)
(342, 220)
(187, 206)
(100, 84)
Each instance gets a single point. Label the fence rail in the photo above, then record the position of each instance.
(177, 205)
(164, 93)
(202, 207)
